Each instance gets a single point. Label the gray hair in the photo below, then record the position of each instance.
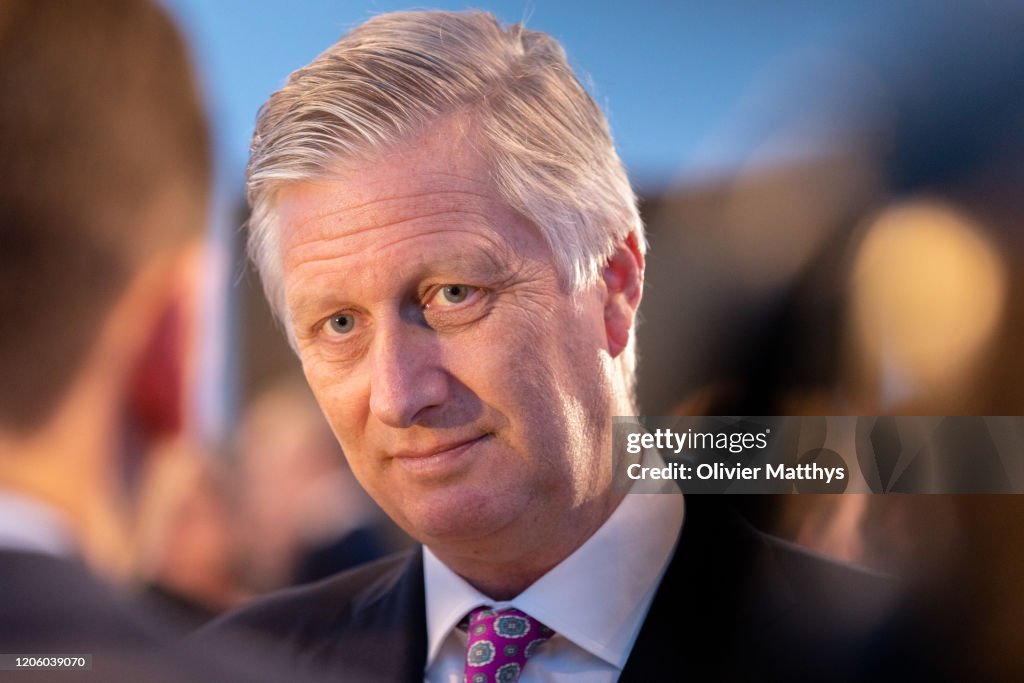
(547, 142)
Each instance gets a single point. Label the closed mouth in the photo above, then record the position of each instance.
(439, 450)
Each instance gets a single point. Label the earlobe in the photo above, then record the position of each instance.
(623, 279)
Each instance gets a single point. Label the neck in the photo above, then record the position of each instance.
(69, 464)
(490, 567)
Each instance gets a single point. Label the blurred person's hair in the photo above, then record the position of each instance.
(548, 144)
(105, 148)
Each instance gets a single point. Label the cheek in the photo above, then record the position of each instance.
(580, 385)
(530, 370)
(344, 403)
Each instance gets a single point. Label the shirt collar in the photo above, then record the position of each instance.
(29, 525)
(597, 597)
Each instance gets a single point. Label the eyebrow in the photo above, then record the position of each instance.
(485, 266)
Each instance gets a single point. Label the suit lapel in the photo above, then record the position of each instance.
(386, 638)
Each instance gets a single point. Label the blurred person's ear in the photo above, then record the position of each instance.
(624, 280)
(157, 318)
(155, 390)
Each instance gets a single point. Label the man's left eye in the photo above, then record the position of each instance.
(452, 294)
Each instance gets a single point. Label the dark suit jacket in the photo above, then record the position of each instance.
(54, 606)
(734, 604)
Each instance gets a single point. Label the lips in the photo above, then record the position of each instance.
(437, 460)
(415, 454)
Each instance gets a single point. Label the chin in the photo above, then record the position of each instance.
(458, 516)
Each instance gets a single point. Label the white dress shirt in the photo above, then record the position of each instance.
(28, 525)
(595, 600)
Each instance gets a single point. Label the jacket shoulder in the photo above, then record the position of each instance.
(328, 604)
(763, 608)
(853, 595)
(362, 625)
(832, 618)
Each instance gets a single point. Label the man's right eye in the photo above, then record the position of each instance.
(340, 324)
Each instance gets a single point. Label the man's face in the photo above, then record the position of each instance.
(470, 392)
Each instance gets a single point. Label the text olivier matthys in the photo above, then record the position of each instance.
(666, 440)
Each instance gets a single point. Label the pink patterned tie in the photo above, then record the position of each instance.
(500, 642)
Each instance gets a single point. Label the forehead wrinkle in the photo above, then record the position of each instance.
(419, 182)
(350, 220)
(299, 252)
(362, 206)
(499, 258)
(500, 255)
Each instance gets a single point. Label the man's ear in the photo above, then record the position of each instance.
(624, 283)
(156, 389)
(158, 384)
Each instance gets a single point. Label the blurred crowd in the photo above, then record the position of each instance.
(865, 259)
(279, 508)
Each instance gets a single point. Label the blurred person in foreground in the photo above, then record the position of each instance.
(445, 230)
(106, 172)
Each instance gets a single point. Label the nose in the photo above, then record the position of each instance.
(407, 379)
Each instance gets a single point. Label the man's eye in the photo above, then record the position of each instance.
(339, 324)
(452, 294)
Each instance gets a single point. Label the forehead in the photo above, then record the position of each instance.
(434, 189)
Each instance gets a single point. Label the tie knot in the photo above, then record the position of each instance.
(500, 642)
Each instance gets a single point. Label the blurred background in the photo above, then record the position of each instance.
(833, 193)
